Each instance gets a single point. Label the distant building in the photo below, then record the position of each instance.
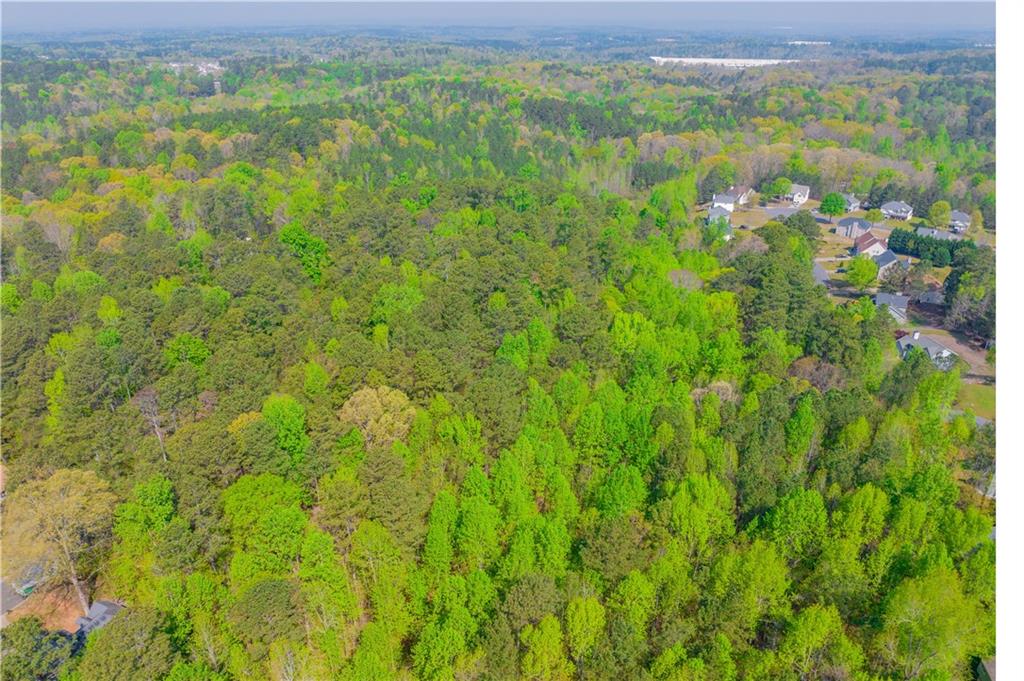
(798, 194)
(869, 244)
(742, 193)
(851, 228)
(719, 213)
(724, 200)
(959, 221)
(887, 260)
(897, 210)
(935, 296)
(941, 356)
(987, 669)
(100, 614)
(937, 234)
(852, 202)
(896, 304)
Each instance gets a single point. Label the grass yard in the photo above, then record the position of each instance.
(981, 399)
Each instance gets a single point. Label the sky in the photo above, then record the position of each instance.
(886, 18)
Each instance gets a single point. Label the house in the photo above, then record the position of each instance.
(852, 202)
(897, 210)
(851, 228)
(869, 244)
(718, 214)
(742, 193)
(821, 275)
(935, 296)
(798, 194)
(941, 356)
(896, 304)
(887, 260)
(959, 221)
(937, 234)
(986, 670)
(725, 200)
(100, 614)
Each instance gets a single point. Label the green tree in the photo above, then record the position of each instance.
(58, 526)
(939, 214)
(584, 623)
(543, 655)
(833, 204)
(135, 646)
(30, 653)
(929, 627)
(861, 272)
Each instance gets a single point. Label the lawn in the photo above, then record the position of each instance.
(981, 399)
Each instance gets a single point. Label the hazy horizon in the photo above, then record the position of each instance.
(823, 18)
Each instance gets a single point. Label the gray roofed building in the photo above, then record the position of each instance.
(100, 614)
(987, 668)
(941, 356)
(724, 200)
(718, 213)
(959, 221)
(821, 275)
(937, 234)
(888, 259)
(798, 193)
(932, 297)
(897, 210)
(852, 202)
(897, 305)
(852, 228)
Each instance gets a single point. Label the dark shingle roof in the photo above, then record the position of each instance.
(893, 300)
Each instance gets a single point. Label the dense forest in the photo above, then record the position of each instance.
(418, 362)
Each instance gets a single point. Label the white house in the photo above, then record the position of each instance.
(726, 201)
(852, 228)
(852, 202)
(886, 260)
(959, 221)
(798, 194)
(743, 194)
(897, 210)
(941, 356)
(870, 245)
(896, 304)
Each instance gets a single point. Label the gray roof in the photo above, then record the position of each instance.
(100, 614)
(857, 222)
(887, 258)
(958, 216)
(937, 234)
(896, 206)
(717, 212)
(799, 189)
(942, 356)
(893, 300)
(821, 275)
(724, 198)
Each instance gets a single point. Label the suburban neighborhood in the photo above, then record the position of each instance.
(864, 231)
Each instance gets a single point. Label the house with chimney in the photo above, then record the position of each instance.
(870, 245)
(940, 355)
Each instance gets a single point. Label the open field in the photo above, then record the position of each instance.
(979, 398)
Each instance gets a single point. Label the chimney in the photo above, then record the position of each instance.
(917, 334)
